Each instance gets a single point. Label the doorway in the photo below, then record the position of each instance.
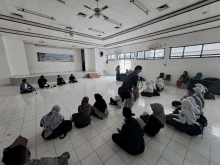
(125, 64)
(83, 60)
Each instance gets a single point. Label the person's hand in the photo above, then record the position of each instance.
(118, 129)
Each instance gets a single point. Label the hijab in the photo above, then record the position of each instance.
(160, 83)
(188, 110)
(153, 84)
(196, 107)
(199, 76)
(100, 103)
(52, 120)
(158, 112)
(85, 104)
(203, 88)
(199, 94)
(149, 88)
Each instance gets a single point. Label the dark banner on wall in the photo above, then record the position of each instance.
(49, 57)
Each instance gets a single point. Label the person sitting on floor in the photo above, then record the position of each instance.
(100, 109)
(199, 76)
(51, 123)
(60, 80)
(20, 155)
(198, 92)
(183, 79)
(119, 100)
(72, 79)
(156, 93)
(195, 106)
(42, 82)
(130, 137)
(82, 118)
(149, 91)
(160, 85)
(154, 122)
(203, 88)
(25, 87)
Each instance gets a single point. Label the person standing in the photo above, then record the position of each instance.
(117, 72)
(130, 83)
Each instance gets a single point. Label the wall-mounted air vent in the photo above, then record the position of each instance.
(162, 8)
(81, 14)
(17, 15)
(117, 27)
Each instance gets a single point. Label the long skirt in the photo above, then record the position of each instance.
(56, 133)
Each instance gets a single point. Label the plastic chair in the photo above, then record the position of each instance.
(161, 76)
(168, 76)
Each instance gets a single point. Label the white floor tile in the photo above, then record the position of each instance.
(91, 160)
(196, 158)
(200, 149)
(162, 161)
(156, 146)
(105, 152)
(172, 157)
(177, 147)
(97, 142)
(150, 156)
(125, 156)
(84, 150)
(78, 140)
(138, 160)
(115, 159)
(64, 147)
(90, 134)
(73, 158)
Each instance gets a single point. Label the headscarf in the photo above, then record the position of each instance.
(199, 94)
(198, 76)
(100, 103)
(198, 101)
(188, 110)
(52, 120)
(158, 112)
(149, 88)
(85, 104)
(160, 83)
(196, 107)
(153, 84)
(203, 88)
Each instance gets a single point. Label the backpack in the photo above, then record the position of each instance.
(209, 95)
(195, 129)
(203, 121)
(66, 126)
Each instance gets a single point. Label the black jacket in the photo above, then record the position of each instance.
(153, 125)
(42, 82)
(132, 136)
(100, 103)
(72, 78)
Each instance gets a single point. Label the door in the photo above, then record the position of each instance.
(125, 64)
(83, 60)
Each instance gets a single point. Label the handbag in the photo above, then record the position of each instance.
(66, 126)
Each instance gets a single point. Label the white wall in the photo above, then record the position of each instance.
(210, 67)
(51, 67)
(89, 59)
(100, 62)
(5, 73)
(16, 57)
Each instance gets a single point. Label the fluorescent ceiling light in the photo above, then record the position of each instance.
(146, 12)
(96, 30)
(34, 13)
(56, 47)
(112, 21)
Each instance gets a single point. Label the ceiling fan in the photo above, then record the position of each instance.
(98, 13)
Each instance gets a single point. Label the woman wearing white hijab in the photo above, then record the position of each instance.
(51, 123)
(196, 107)
(198, 92)
(160, 85)
(149, 90)
(203, 88)
(153, 84)
(186, 115)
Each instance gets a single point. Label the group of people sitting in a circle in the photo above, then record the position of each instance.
(25, 87)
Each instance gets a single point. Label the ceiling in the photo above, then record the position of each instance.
(119, 10)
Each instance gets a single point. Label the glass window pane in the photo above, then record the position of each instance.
(113, 57)
(159, 53)
(132, 55)
(127, 55)
(176, 52)
(122, 56)
(149, 54)
(211, 49)
(141, 55)
(109, 57)
(193, 50)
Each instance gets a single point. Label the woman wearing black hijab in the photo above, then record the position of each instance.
(100, 109)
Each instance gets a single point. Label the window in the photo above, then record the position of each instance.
(176, 52)
(193, 51)
(125, 56)
(211, 50)
(111, 58)
(196, 51)
(156, 54)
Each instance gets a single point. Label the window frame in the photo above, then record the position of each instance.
(202, 56)
(154, 55)
(110, 59)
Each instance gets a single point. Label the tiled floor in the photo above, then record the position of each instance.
(21, 114)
